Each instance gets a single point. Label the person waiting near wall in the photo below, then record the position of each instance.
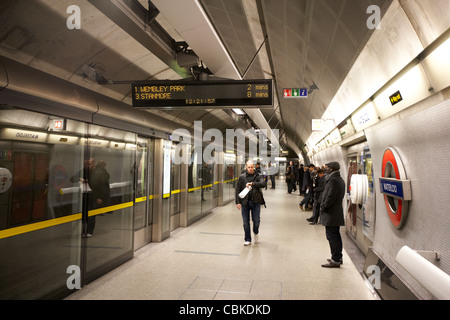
(301, 172)
(308, 187)
(289, 177)
(332, 213)
(319, 187)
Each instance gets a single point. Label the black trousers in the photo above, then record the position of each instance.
(272, 178)
(316, 211)
(335, 241)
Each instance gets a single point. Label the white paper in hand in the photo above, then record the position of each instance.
(244, 192)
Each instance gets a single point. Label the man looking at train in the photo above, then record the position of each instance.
(252, 202)
(332, 213)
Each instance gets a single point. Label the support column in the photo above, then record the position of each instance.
(157, 191)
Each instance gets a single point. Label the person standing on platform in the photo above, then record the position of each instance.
(308, 187)
(290, 178)
(271, 175)
(251, 203)
(301, 172)
(332, 213)
(318, 189)
(258, 168)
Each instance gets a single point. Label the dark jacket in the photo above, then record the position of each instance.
(301, 172)
(331, 210)
(99, 183)
(290, 175)
(306, 180)
(258, 183)
(319, 188)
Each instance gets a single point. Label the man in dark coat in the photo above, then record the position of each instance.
(306, 180)
(301, 172)
(332, 213)
(318, 190)
(307, 186)
(251, 203)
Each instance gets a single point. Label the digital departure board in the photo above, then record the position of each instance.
(205, 94)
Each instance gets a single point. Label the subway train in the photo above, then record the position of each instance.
(52, 216)
(86, 179)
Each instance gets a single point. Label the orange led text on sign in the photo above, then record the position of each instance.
(156, 92)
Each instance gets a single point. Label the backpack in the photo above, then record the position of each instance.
(257, 194)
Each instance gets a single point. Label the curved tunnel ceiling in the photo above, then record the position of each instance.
(34, 32)
(307, 41)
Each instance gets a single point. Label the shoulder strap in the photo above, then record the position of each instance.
(254, 176)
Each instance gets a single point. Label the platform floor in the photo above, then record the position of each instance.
(208, 261)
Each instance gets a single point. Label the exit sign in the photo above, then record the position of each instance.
(295, 93)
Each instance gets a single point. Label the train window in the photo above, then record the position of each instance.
(143, 207)
(108, 225)
(69, 203)
(229, 176)
(194, 185)
(40, 213)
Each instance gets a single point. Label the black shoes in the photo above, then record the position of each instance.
(312, 221)
(332, 264)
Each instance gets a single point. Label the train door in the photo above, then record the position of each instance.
(108, 232)
(143, 207)
(166, 188)
(202, 188)
(229, 172)
(40, 211)
(216, 189)
(194, 186)
(207, 187)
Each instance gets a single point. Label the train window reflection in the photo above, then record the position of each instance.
(40, 213)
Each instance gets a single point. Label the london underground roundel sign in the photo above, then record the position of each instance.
(395, 187)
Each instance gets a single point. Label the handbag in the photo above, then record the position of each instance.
(258, 197)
